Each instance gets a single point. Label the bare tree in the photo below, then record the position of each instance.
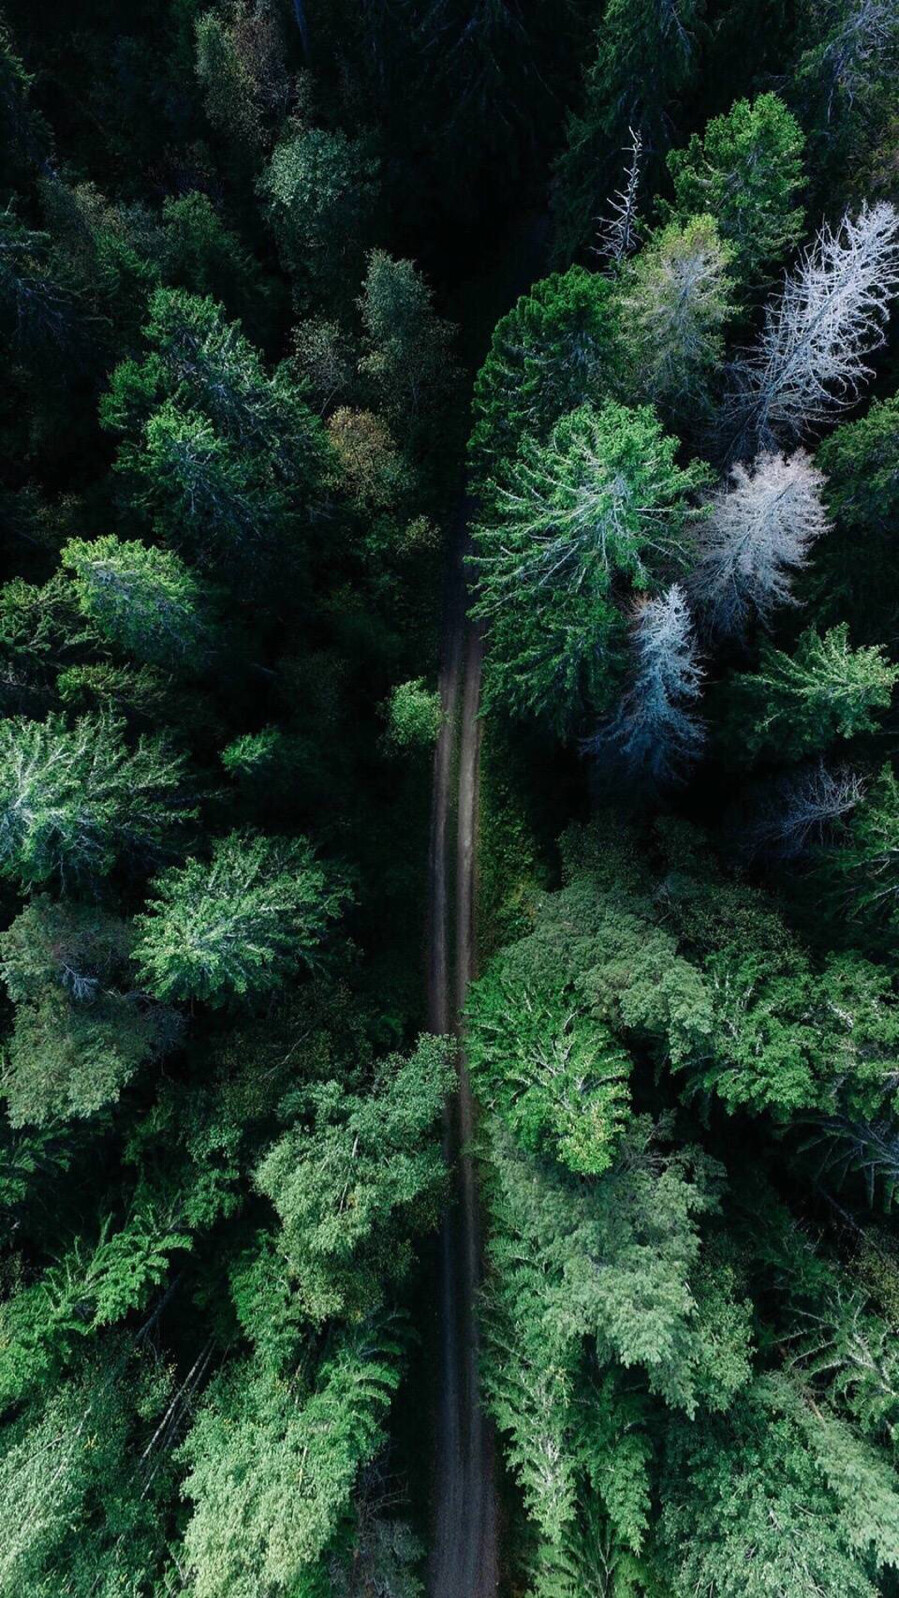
(759, 532)
(619, 233)
(796, 812)
(655, 730)
(819, 332)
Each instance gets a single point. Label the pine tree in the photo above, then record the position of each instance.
(795, 705)
(601, 503)
(675, 301)
(236, 926)
(143, 600)
(73, 799)
(745, 171)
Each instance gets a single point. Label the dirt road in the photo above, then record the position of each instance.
(464, 1562)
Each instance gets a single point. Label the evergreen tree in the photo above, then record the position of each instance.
(601, 503)
(143, 600)
(73, 799)
(238, 925)
(795, 705)
(676, 298)
(746, 172)
(555, 350)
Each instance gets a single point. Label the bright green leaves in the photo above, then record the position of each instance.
(355, 1179)
(143, 600)
(554, 1072)
(796, 705)
(601, 503)
(272, 1464)
(777, 1500)
(236, 926)
(745, 171)
(74, 798)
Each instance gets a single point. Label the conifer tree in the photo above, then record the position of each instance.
(745, 171)
(795, 705)
(235, 927)
(675, 301)
(655, 730)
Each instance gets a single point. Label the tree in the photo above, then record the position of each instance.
(601, 503)
(645, 56)
(778, 1500)
(820, 330)
(219, 454)
(866, 859)
(795, 814)
(79, 1034)
(745, 171)
(407, 355)
(357, 1178)
(555, 350)
(555, 1074)
(319, 190)
(655, 730)
(861, 462)
(414, 715)
(273, 1461)
(143, 600)
(760, 531)
(795, 705)
(844, 79)
(676, 299)
(371, 468)
(236, 926)
(72, 799)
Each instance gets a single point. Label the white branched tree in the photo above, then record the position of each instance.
(819, 332)
(797, 812)
(760, 531)
(619, 232)
(656, 730)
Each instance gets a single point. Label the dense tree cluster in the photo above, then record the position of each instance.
(265, 266)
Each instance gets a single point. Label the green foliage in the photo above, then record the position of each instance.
(407, 355)
(676, 299)
(780, 1499)
(320, 189)
(414, 715)
(796, 705)
(144, 601)
(273, 1462)
(73, 799)
(601, 504)
(745, 171)
(356, 1177)
(553, 1072)
(238, 925)
(556, 349)
(645, 58)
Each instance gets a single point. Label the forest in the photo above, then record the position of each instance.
(449, 475)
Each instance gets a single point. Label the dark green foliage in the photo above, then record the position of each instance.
(555, 350)
(645, 55)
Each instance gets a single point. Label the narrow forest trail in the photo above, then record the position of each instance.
(464, 1563)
